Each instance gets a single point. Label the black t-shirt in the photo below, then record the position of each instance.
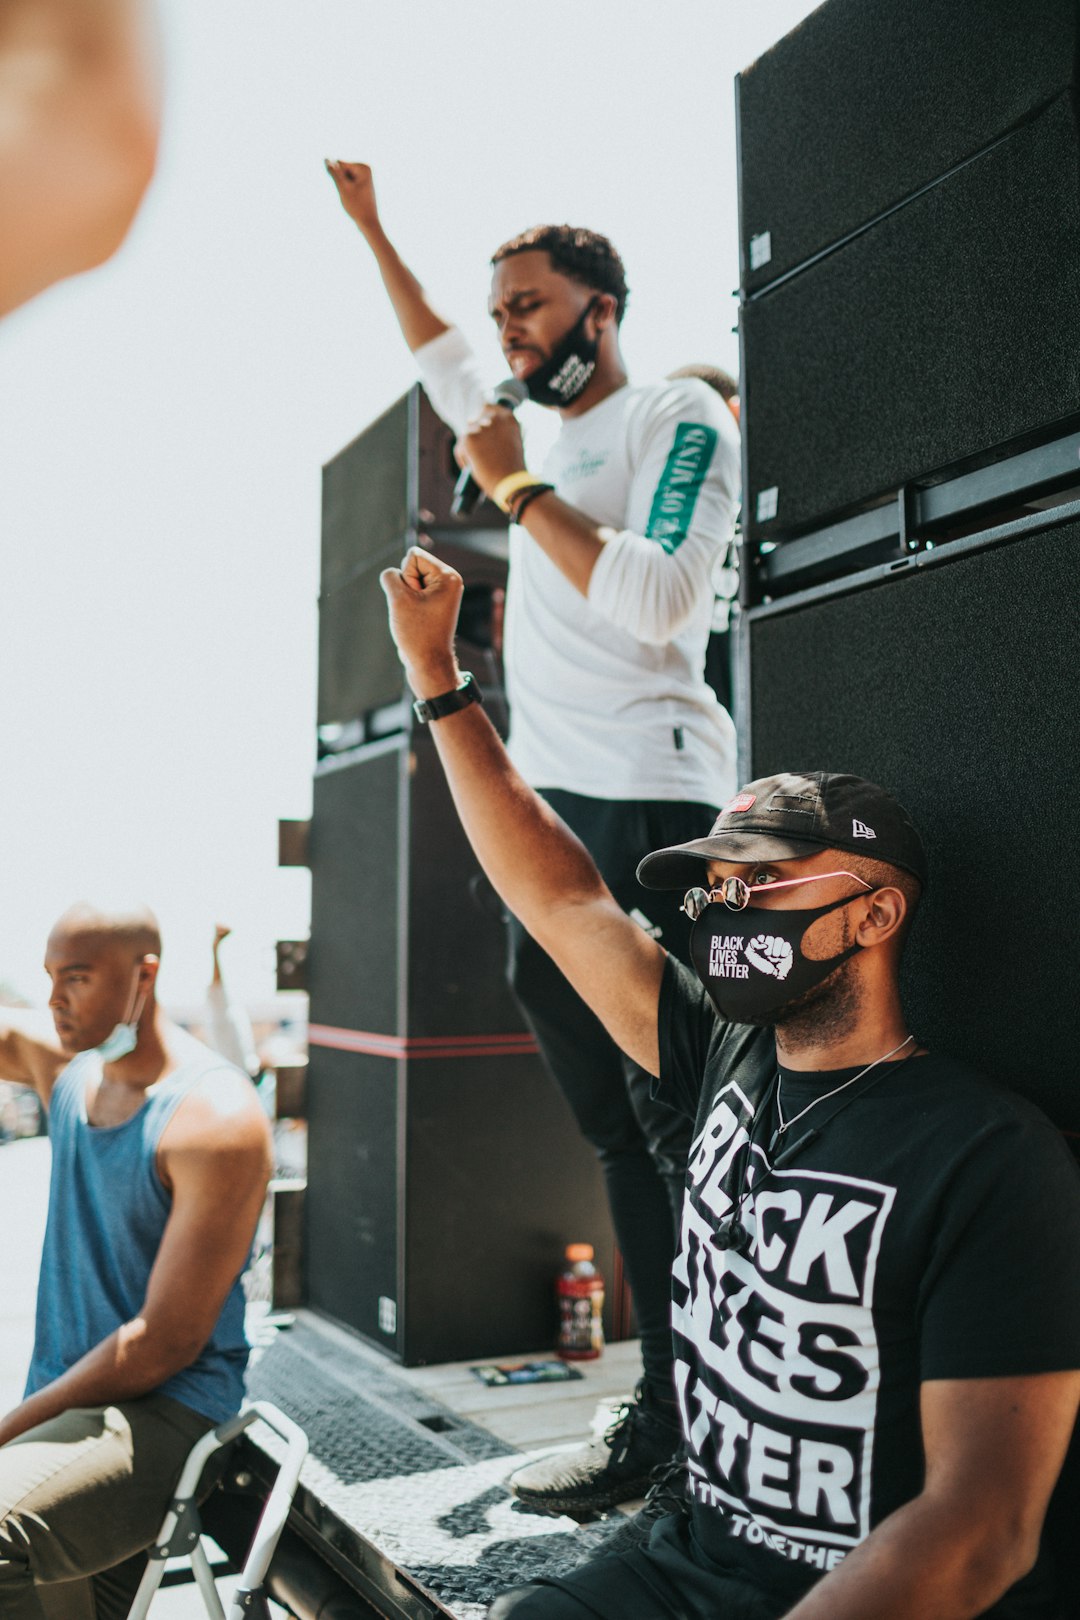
(931, 1230)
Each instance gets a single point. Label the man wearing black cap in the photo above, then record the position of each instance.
(876, 1301)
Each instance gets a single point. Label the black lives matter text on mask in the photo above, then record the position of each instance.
(777, 1370)
(724, 952)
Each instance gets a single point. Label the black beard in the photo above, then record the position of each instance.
(823, 1015)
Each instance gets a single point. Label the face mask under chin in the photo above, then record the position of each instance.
(564, 376)
(124, 1036)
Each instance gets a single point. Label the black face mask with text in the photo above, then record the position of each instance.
(751, 961)
(567, 372)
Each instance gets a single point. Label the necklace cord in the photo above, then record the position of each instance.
(733, 1220)
(785, 1125)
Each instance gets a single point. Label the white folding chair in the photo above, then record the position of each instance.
(182, 1527)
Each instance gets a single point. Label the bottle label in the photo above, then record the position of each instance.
(581, 1328)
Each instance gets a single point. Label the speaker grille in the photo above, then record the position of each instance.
(866, 102)
(948, 329)
(955, 688)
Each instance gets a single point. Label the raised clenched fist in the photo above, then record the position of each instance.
(770, 954)
(423, 597)
(356, 188)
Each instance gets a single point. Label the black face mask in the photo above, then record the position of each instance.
(567, 372)
(751, 961)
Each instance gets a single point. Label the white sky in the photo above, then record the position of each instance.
(163, 421)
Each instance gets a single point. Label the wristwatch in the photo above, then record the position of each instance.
(437, 708)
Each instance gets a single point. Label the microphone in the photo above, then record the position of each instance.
(467, 492)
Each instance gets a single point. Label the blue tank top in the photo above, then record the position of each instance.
(107, 1213)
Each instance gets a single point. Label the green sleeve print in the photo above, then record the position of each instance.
(680, 483)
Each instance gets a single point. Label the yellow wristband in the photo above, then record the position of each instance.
(510, 485)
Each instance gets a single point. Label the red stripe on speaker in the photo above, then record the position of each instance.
(420, 1046)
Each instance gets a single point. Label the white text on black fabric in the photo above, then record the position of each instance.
(777, 1369)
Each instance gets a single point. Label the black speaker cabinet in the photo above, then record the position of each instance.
(864, 104)
(948, 330)
(445, 1171)
(392, 484)
(952, 681)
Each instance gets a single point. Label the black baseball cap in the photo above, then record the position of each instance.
(779, 818)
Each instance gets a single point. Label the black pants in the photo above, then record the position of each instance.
(662, 1580)
(642, 1145)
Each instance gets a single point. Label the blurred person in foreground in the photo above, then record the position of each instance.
(160, 1161)
(876, 1299)
(608, 607)
(79, 117)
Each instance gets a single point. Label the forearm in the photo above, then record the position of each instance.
(131, 1362)
(630, 581)
(533, 860)
(572, 541)
(924, 1562)
(420, 323)
(229, 1029)
(650, 592)
(29, 1054)
(543, 873)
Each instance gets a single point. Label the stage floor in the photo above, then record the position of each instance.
(530, 1415)
(405, 1488)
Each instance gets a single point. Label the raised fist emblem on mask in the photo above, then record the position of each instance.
(770, 954)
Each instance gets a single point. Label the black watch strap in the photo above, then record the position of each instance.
(436, 708)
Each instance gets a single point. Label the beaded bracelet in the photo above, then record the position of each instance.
(518, 506)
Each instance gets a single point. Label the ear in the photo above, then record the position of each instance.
(148, 972)
(605, 310)
(885, 912)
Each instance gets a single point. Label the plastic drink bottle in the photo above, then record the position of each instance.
(580, 1292)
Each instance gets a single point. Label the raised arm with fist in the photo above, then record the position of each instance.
(419, 322)
(423, 597)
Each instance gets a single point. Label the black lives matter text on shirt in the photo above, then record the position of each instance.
(881, 1256)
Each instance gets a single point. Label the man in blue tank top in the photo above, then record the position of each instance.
(160, 1161)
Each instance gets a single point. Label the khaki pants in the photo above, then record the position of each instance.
(84, 1496)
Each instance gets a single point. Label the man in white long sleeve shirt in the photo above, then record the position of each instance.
(609, 603)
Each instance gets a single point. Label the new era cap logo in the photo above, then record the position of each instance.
(741, 801)
(859, 829)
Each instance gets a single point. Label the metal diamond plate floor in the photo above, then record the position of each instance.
(400, 1483)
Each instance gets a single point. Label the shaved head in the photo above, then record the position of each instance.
(103, 963)
(130, 928)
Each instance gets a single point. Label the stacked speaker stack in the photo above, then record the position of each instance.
(910, 246)
(910, 321)
(445, 1172)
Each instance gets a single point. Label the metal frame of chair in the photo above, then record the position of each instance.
(181, 1529)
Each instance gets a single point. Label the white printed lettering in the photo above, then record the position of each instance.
(733, 1427)
(825, 1471)
(771, 1250)
(822, 1237)
(770, 1458)
(720, 1127)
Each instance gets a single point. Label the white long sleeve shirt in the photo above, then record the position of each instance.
(607, 692)
(228, 1029)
